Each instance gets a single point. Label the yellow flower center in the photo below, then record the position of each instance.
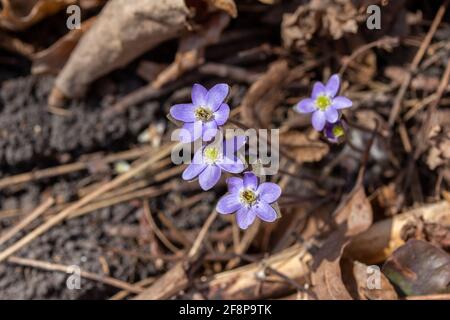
(248, 197)
(338, 131)
(204, 114)
(323, 102)
(211, 154)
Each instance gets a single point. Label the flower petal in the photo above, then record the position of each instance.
(318, 89)
(318, 120)
(250, 180)
(306, 106)
(190, 131)
(229, 203)
(269, 191)
(331, 114)
(209, 177)
(235, 184)
(198, 95)
(245, 217)
(222, 114)
(232, 166)
(183, 112)
(209, 130)
(332, 86)
(264, 211)
(232, 145)
(216, 95)
(192, 171)
(198, 156)
(342, 102)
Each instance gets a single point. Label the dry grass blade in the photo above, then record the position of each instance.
(36, 213)
(84, 274)
(87, 199)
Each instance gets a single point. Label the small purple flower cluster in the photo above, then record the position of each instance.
(326, 106)
(202, 119)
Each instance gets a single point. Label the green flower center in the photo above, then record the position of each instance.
(338, 131)
(204, 114)
(323, 102)
(248, 197)
(211, 154)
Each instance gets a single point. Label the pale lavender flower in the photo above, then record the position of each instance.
(209, 161)
(249, 200)
(323, 104)
(203, 116)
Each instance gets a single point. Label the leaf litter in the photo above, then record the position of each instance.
(380, 199)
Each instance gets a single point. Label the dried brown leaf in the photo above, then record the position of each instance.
(229, 6)
(419, 268)
(353, 216)
(53, 59)
(303, 147)
(20, 14)
(263, 91)
(316, 17)
(122, 31)
(366, 290)
(439, 151)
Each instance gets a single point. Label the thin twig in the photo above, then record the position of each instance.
(415, 64)
(84, 274)
(161, 236)
(84, 201)
(36, 213)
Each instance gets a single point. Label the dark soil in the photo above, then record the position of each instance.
(31, 138)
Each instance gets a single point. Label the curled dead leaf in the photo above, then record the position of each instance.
(264, 94)
(353, 216)
(304, 147)
(419, 268)
(371, 284)
(439, 152)
(122, 31)
(316, 17)
(20, 14)
(53, 59)
(229, 6)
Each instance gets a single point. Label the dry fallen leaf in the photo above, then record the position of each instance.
(229, 6)
(122, 31)
(20, 14)
(263, 92)
(353, 216)
(304, 147)
(419, 268)
(366, 289)
(439, 152)
(53, 59)
(316, 17)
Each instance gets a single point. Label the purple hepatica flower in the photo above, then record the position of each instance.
(206, 112)
(249, 200)
(210, 160)
(324, 104)
(335, 132)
